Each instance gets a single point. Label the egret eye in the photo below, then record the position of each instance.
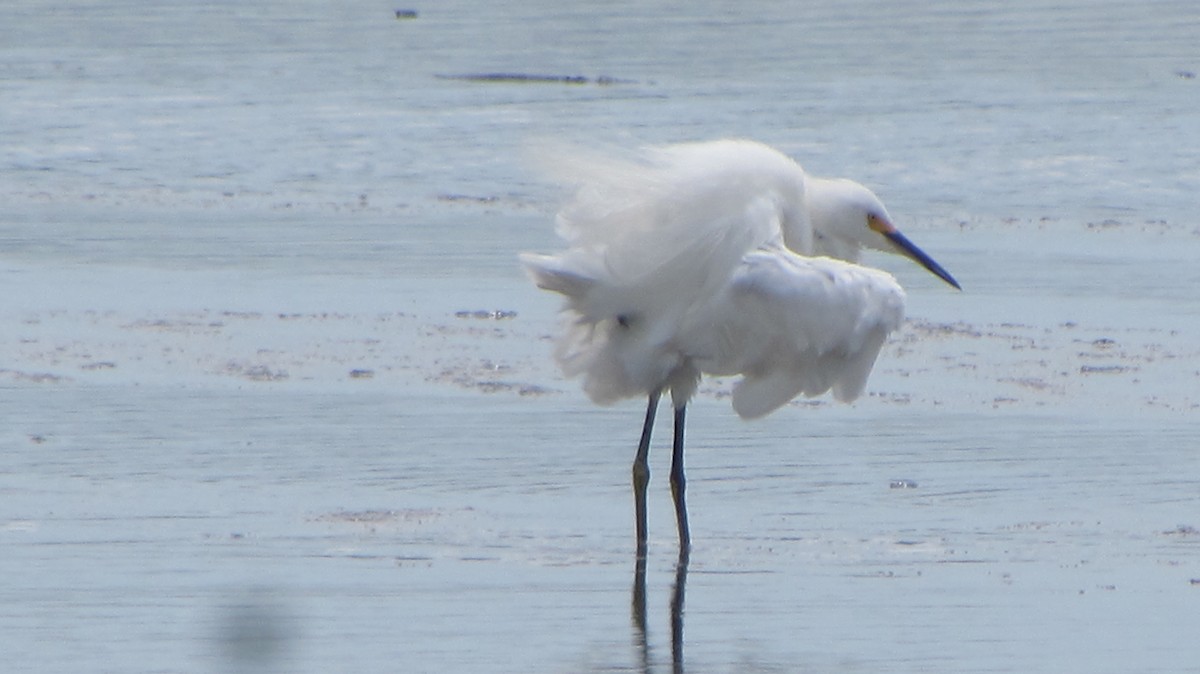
(879, 224)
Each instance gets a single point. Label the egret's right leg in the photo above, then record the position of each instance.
(641, 472)
(679, 482)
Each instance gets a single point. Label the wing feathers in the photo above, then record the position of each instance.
(794, 325)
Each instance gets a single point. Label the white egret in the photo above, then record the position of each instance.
(717, 258)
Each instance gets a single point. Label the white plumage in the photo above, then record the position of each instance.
(708, 258)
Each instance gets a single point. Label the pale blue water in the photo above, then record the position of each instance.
(246, 430)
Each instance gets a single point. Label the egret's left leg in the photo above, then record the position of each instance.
(679, 483)
(641, 472)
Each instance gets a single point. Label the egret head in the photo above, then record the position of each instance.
(847, 217)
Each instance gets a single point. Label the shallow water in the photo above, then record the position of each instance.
(270, 407)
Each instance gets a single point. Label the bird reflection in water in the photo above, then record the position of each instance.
(641, 640)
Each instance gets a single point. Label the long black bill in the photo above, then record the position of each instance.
(910, 249)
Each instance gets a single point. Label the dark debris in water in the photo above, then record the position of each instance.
(34, 377)
(1104, 369)
(521, 389)
(925, 328)
(254, 371)
(530, 78)
(484, 314)
(407, 515)
(470, 381)
(454, 198)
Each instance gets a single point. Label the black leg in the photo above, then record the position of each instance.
(641, 472)
(679, 483)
